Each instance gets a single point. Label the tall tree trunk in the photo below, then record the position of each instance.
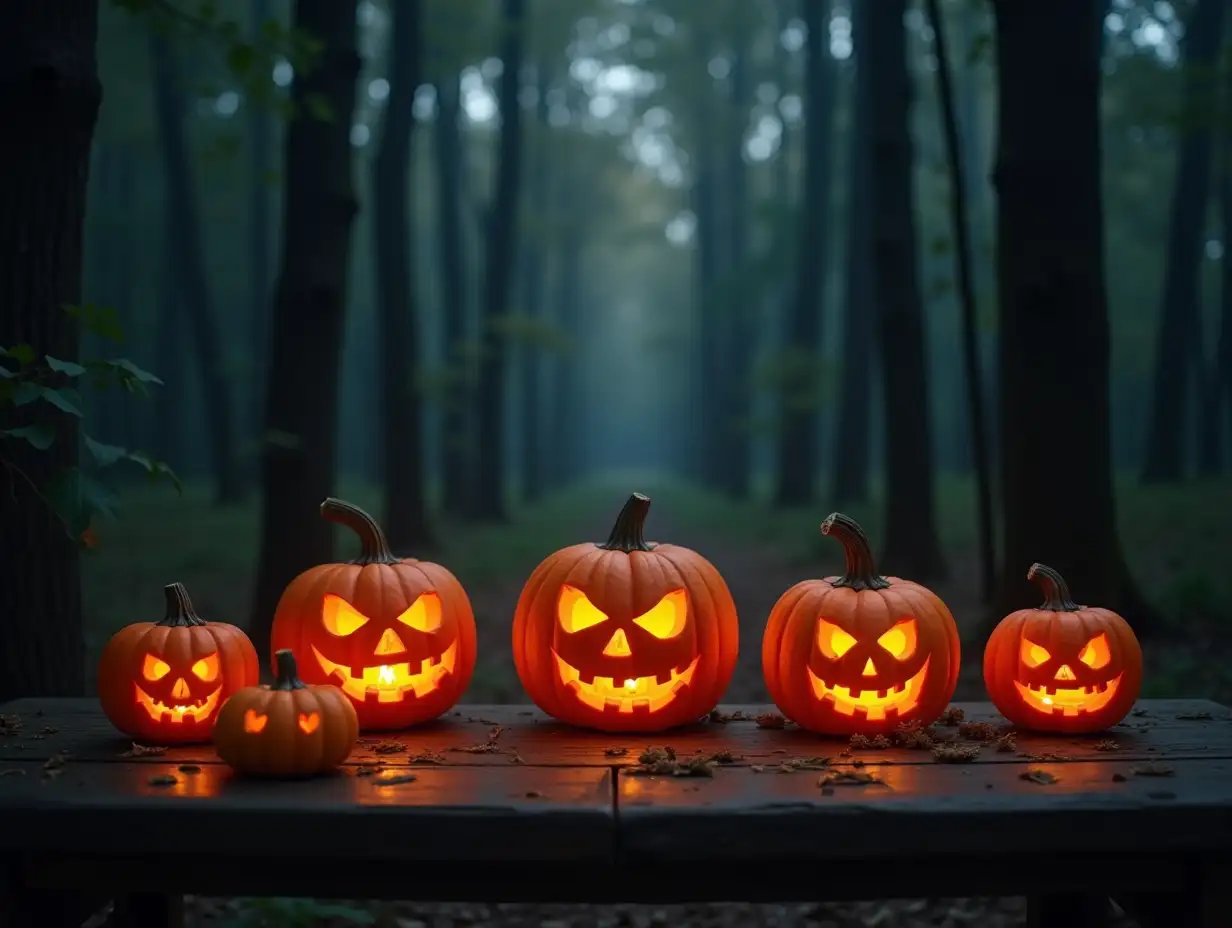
(1056, 469)
(797, 451)
(49, 100)
(170, 348)
(1222, 374)
(1179, 313)
(298, 465)
(259, 227)
(498, 273)
(966, 293)
(401, 400)
(708, 424)
(853, 431)
(912, 547)
(456, 438)
(563, 412)
(190, 259)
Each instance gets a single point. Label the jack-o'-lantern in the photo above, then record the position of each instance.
(286, 729)
(163, 682)
(859, 653)
(1062, 667)
(625, 635)
(396, 635)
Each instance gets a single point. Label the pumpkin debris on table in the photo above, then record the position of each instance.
(625, 635)
(286, 729)
(397, 635)
(859, 653)
(1062, 667)
(163, 682)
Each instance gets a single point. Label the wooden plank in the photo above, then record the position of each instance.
(928, 811)
(462, 814)
(1172, 729)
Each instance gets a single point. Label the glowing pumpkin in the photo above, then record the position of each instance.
(287, 729)
(860, 653)
(396, 635)
(163, 682)
(625, 635)
(1062, 667)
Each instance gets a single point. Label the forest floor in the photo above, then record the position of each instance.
(1176, 539)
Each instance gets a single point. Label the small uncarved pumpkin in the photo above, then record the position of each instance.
(625, 635)
(287, 729)
(860, 653)
(397, 635)
(163, 682)
(1062, 667)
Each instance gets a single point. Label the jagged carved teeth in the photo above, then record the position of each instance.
(390, 682)
(873, 704)
(648, 693)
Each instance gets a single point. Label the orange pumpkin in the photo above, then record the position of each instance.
(163, 682)
(625, 635)
(860, 653)
(1062, 667)
(396, 635)
(287, 729)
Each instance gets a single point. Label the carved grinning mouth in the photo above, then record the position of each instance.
(648, 694)
(1070, 702)
(196, 711)
(874, 704)
(390, 682)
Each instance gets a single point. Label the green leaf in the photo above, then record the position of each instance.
(104, 455)
(77, 497)
(137, 373)
(68, 368)
(6, 373)
(24, 354)
(65, 400)
(40, 435)
(156, 469)
(102, 321)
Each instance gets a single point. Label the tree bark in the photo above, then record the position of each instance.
(298, 456)
(49, 101)
(498, 273)
(181, 194)
(170, 347)
(401, 399)
(1056, 470)
(912, 547)
(259, 227)
(1222, 374)
(798, 444)
(1179, 316)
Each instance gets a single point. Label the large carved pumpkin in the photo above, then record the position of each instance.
(1062, 667)
(396, 635)
(163, 682)
(859, 653)
(625, 635)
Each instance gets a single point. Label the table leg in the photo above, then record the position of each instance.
(148, 910)
(1068, 910)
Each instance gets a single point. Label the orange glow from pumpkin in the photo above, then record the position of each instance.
(1071, 702)
(640, 691)
(175, 714)
(875, 704)
(308, 723)
(391, 682)
(254, 724)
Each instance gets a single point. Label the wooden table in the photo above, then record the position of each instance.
(500, 803)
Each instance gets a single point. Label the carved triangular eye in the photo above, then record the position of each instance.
(1033, 655)
(340, 617)
(666, 618)
(900, 640)
(832, 641)
(575, 612)
(207, 668)
(1096, 654)
(424, 614)
(154, 669)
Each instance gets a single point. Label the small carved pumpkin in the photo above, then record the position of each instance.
(287, 729)
(860, 653)
(1062, 667)
(163, 682)
(625, 635)
(396, 635)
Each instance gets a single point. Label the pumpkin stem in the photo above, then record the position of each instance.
(628, 532)
(287, 677)
(180, 612)
(1056, 590)
(860, 571)
(374, 549)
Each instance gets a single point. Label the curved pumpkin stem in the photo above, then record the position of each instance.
(1056, 590)
(860, 571)
(287, 677)
(628, 532)
(374, 549)
(180, 612)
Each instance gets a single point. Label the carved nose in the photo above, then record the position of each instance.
(180, 690)
(1064, 673)
(869, 669)
(618, 646)
(390, 643)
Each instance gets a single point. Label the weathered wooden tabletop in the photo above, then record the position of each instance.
(501, 801)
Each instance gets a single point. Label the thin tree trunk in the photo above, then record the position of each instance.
(498, 272)
(190, 258)
(401, 400)
(298, 460)
(966, 294)
(1222, 374)
(170, 348)
(797, 451)
(912, 546)
(563, 411)
(1179, 314)
(1056, 468)
(259, 228)
(49, 101)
